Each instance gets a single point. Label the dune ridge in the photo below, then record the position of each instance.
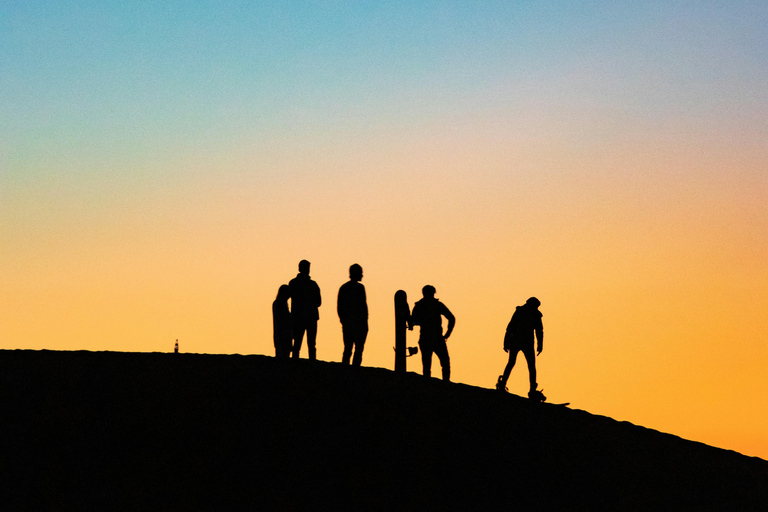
(156, 431)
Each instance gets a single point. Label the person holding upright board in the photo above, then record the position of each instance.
(428, 313)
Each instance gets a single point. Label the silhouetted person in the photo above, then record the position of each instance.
(428, 313)
(281, 323)
(519, 338)
(352, 307)
(305, 299)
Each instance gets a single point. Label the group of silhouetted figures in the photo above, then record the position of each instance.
(291, 324)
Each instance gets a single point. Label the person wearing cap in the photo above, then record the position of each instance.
(525, 322)
(428, 313)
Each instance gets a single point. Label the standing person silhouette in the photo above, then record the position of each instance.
(352, 307)
(428, 313)
(519, 338)
(305, 299)
(281, 323)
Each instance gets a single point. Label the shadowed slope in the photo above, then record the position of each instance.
(128, 431)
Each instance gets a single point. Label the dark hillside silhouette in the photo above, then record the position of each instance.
(134, 431)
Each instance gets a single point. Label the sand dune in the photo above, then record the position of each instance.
(137, 431)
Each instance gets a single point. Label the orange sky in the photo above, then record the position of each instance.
(653, 291)
(619, 176)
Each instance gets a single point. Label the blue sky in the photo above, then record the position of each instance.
(143, 78)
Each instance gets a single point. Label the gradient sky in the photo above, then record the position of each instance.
(164, 167)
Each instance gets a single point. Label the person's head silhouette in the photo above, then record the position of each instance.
(356, 272)
(533, 302)
(304, 267)
(428, 291)
(284, 293)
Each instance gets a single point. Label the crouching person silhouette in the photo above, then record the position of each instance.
(428, 313)
(519, 338)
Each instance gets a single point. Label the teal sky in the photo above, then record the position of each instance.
(85, 82)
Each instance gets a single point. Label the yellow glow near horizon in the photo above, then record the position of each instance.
(653, 293)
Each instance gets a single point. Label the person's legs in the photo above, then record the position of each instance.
(298, 337)
(311, 337)
(441, 351)
(348, 336)
(283, 347)
(530, 358)
(360, 335)
(426, 357)
(508, 369)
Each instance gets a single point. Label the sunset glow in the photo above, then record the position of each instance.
(164, 169)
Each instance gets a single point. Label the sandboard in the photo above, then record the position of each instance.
(544, 400)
